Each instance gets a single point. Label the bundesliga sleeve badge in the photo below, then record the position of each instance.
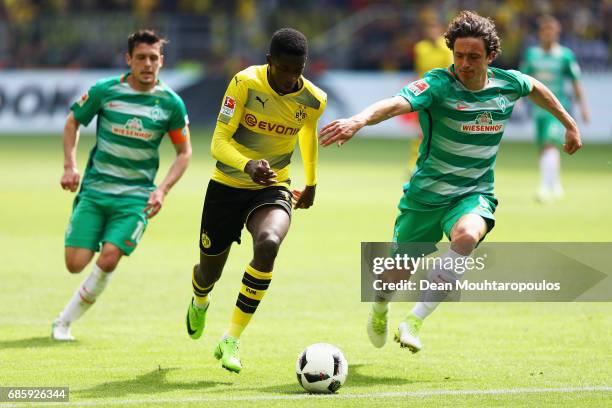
(418, 87)
(83, 99)
(227, 110)
(229, 105)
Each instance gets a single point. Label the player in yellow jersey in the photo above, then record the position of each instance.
(265, 111)
(429, 53)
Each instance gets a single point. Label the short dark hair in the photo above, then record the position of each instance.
(470, 24)
(288, 41)
(144, 36)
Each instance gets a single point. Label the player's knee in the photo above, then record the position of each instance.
(107, 264)
(266, 246)
(467, 236)
(108, 260)
(75, 265)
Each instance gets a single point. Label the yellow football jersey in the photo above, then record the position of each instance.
(257, 123)
(429, 55)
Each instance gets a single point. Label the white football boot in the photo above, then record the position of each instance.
(60, 331)
(407, 334)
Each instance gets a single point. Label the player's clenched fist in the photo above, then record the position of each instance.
(70, 179)
(260, 172)
(573, 141)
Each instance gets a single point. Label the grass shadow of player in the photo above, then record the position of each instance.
(355, 379)
(153, 382)
(44, 341)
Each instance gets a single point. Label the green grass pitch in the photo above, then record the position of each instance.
(133, 349)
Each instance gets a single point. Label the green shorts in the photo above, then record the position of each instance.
(425, 223)
(99, 219)
(549, 130)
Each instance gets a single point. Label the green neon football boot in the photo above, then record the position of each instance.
(227, 352)
(196, 320)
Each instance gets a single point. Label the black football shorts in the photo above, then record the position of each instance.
(227, 209)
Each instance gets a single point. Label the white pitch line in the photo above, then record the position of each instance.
(430, 393)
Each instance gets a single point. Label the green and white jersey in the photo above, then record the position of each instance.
(130, 127)
(553, 68)
(462, 130)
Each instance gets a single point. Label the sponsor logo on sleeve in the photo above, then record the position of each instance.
(229, 105)
(83, 99)
(418, 87)
(227, 109)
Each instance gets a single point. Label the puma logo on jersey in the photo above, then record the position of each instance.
(263, 103)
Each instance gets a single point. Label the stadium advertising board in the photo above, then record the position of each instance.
(38, 101)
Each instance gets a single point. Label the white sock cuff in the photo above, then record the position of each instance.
(423, 309)
(454, 255)
(99, 273)
(95, 283)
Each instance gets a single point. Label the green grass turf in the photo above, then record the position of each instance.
(132, 346)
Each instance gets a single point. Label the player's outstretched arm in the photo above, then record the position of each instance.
(341, 130)
(544, 98)
(70, 177)
(156, 198)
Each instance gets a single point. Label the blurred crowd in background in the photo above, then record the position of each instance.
(218, 38)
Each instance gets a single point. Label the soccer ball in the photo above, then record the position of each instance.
(321, 368)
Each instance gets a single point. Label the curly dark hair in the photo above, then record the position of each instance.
(469, 24)
(288, 41)
(144, 36)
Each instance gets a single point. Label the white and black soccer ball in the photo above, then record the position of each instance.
(321, 368)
